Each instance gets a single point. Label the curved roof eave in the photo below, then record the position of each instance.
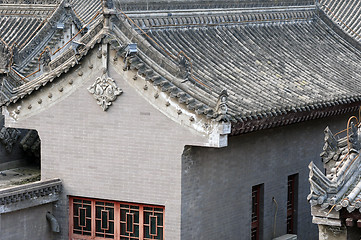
(277, 77)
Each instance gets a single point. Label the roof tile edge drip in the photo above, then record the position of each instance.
(251, 125)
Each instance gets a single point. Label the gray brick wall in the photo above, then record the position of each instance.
(130, 153)
(29, 224)
(217, 183)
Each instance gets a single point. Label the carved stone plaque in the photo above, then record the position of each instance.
(105, 91)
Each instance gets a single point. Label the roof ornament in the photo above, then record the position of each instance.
(184, 68)
(130, 50)
(107, 10)
(4, 58)
(46, 59)
(105, 91)
(353, 139)
(126, 52)
(222, 107)
(77, 46)
(109, 4)
(330, 148)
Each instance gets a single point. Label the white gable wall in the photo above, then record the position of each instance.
(131, 152)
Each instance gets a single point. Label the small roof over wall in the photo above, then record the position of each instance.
(340, 186)
(335, 196)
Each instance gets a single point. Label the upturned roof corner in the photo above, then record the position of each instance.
(340, 186)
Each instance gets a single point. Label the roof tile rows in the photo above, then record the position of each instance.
(86, 9)
(346, 14)
(267, 66)
(18, 29)
(274, 61)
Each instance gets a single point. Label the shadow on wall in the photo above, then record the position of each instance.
(18, 147)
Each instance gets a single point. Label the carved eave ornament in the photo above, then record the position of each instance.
(105, 91)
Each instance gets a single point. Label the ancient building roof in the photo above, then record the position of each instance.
(279, 63)
(346, 14)
(340, 186)
(85, 9)
(156, 5)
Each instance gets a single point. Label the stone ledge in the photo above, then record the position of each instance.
(326, 221)
(317, 211)
(29, 195)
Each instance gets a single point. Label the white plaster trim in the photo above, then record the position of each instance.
(326, 221)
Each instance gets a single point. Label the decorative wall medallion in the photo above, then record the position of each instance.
(105, 91)
(8, 137)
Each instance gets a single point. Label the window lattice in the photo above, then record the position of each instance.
(90, 218)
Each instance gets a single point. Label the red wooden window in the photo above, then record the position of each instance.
(256, 212)
(101, 219)
(291, 203)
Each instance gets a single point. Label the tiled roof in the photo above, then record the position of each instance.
(10, 26)
(59, 65)
(272, 62)
(346, 14)
(86, 9)
(340, 187)
(19, 23)
(279, 64)
(30, 29)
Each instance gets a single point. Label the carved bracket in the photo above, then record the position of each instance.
(105, 91)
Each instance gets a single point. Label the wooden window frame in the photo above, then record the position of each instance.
(256, 212)
(292, 195)
(117, 223)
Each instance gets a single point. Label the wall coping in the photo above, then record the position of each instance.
(29, 195)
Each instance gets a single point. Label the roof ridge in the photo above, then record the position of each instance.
(24, 10)
(31, 2)
(176, 20)
(214, 11)
(202, 4)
